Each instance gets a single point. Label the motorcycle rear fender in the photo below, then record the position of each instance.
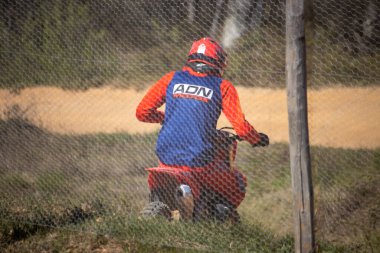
(167, 177)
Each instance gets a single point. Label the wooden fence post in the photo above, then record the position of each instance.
(303, 208)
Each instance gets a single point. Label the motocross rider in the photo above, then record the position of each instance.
(195, 98)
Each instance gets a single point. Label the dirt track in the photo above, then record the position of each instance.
(339, 117)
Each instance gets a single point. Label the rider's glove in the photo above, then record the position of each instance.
(264, 141)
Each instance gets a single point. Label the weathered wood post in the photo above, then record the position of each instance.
(303, 208)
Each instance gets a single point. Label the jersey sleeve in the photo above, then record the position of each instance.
(147, 110)
(232, 109)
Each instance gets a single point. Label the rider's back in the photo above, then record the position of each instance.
(193, 106)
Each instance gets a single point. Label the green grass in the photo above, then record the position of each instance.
(97, 184)
(133, 235)
(199, 236)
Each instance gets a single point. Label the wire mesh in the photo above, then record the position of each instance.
(73, 155)
(345, 59)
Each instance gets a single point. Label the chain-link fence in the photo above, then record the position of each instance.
(345, 53)
(73, 155)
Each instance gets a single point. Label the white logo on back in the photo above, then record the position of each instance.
(192, 91)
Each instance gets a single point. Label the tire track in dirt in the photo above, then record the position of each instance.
(338, 117)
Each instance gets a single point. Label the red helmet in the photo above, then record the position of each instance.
(208, 51)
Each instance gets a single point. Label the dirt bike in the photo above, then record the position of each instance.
(209, 193)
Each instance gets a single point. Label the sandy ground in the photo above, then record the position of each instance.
(338, 117)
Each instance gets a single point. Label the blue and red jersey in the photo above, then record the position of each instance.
(194, 102)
